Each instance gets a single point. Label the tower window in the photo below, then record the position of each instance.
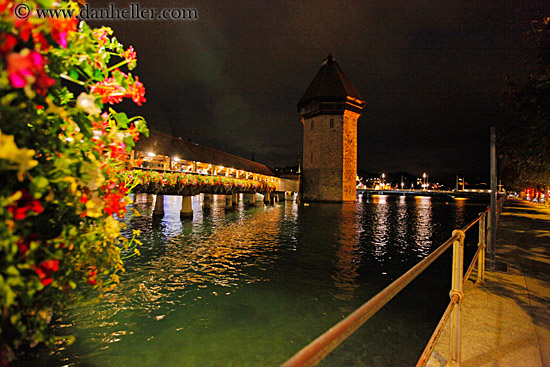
(311, 157)
(312, 124)
(331, 123)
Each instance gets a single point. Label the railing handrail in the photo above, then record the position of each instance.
(315, 351)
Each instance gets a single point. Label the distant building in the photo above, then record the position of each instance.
(329, 110)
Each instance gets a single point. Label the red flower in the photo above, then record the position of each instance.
(24, 244)
(109, 90)
(9, 43)
(23, 205)
(84, 199)
(60, 27)
(137, 92)
(118, 151)
(45, 270)
(92, 278)
(112, 92)
(40, 39)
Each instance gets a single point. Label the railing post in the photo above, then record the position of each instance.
(458, 273)
(482, 245)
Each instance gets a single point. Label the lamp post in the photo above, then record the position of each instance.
(425, 186)
(383, 180)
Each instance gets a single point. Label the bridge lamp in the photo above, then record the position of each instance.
(176, 159)
(151, 154)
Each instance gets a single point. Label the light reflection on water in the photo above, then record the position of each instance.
(251, 286)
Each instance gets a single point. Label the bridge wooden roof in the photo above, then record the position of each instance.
(330, 84)
(164, 144)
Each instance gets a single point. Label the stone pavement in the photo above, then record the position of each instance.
(506, 322)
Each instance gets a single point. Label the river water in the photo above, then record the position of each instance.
(251, 286)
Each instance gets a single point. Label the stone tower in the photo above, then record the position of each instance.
(329, 110)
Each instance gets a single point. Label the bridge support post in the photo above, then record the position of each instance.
(186, 207)
(249, 199)
(235, 198)
(228, 201)
(207, 201)
(159, 206)
(456, 290)
(267, 198)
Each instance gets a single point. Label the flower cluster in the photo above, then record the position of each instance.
(24, 203)
(61, 158)
(112, 90)
(26, 68)
(177, 182)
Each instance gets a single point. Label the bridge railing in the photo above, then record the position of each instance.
(318, 349)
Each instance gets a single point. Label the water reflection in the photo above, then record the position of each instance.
(460, 205)
(262, 281)
(381, 225)
(401, 240)
(348, 258)
(424, 229)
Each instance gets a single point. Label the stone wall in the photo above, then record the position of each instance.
(330, 157)
(349, 171)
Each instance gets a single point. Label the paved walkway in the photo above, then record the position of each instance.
(506, 322)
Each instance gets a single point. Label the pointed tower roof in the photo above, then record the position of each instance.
(330, 84)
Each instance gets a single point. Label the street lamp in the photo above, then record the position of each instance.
(383, 179)
(424, 175)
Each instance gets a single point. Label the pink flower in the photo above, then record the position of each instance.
(137, 92)
(27, 68)
(101, 34)
(129, 55)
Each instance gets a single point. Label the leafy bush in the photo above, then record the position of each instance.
(62, 153)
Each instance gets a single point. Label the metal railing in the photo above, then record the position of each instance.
(318, 349)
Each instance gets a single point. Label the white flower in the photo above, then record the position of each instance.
(87, 104)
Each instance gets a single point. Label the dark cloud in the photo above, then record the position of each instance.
(431, 74)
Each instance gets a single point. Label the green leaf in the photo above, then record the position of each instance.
(38, 186)
(73, 74)
(84, 124)
(12, 270)
(122, 119)
(98, 75)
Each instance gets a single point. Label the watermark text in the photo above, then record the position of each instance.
(133, 12)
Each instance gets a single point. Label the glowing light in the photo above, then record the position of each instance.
(151, 154)
(176, 159)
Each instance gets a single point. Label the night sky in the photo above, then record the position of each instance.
(431, 73)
